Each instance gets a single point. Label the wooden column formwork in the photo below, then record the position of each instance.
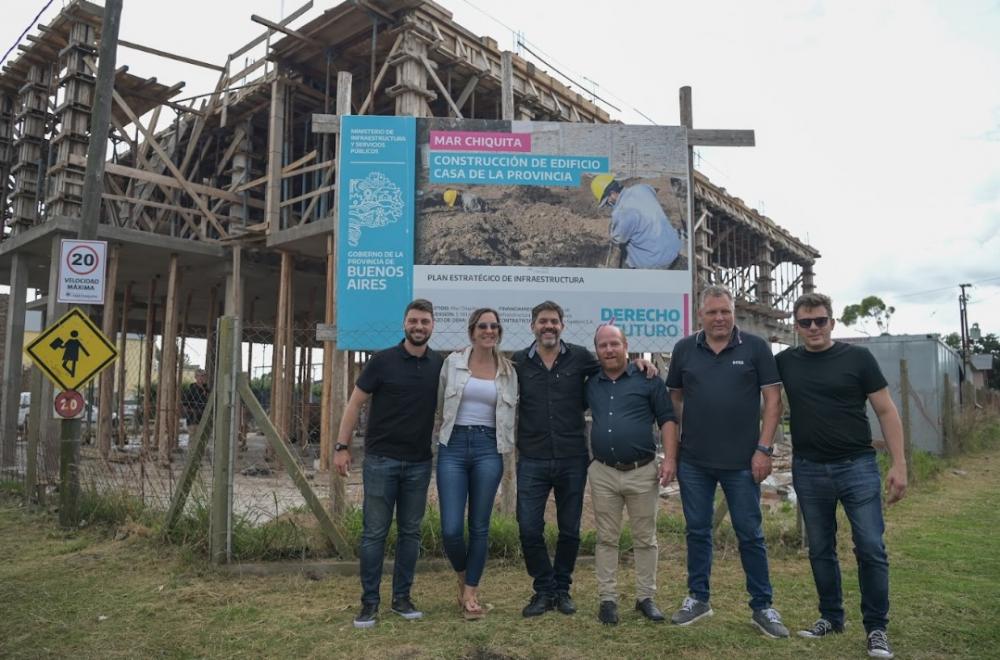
(122, 436)
(106, 380)
(147, 368)
(166, 399)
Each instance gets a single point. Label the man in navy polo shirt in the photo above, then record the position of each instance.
(401, 383)
(716, 379)
(625, 405)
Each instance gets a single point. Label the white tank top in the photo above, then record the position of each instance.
(478, 406)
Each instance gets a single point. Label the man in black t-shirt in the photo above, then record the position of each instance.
(401, 382)
(717, 378)
(828, 384)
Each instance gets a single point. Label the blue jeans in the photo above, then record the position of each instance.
(698, 486)
(535, 479)
(469, 469)
(856, 484)
(392, 484)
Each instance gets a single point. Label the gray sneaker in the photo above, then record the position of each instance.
(768, 621)
(878, 644)
(821, 628)
(691, 610)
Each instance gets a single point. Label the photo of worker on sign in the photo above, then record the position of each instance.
(639, 225)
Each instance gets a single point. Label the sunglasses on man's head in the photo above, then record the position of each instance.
(820, 322)
(488, 326)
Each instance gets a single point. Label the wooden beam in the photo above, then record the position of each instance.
(171, 56)
(147, 367)
(712, 137)
(120, 441)
(260, 39)
(277, 442)
(166, 393)
(107, 378)
(278, 27)
(369, 100)
(322, 123)
(161, 152)
(308, 195)
(441, 87)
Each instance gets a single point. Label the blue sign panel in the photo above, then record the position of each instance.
(376, 210)
(518, 169)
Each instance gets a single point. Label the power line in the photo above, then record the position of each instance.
(944, 288)
(30, 25)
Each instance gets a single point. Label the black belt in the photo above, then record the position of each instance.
(626, 467)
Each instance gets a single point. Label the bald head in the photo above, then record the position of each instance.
(611, 347)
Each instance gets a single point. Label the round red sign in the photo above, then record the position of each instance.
(69, 404)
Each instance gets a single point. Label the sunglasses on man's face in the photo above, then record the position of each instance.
(488, 326)
(820, 322)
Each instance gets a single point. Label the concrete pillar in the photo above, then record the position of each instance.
(808, 279)
(10, 388)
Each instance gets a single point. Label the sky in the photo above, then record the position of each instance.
(877, 122)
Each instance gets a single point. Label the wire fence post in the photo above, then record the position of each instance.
(220, 526)
(904, 413)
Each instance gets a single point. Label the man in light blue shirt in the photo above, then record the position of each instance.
(640, 225)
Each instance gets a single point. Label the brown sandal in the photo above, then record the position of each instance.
(472, 610)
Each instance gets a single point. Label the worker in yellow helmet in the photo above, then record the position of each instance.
(638, 223)
(450, 197)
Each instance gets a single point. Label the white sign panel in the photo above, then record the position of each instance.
(81, 271)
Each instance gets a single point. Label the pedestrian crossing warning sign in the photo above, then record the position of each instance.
(72, 350)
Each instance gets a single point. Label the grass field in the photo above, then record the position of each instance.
(119, 593)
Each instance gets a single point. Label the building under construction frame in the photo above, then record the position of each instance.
(225, 204)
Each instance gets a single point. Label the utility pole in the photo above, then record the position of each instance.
(93, 186)
(963, 315)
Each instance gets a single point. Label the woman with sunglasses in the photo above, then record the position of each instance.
(478, 396)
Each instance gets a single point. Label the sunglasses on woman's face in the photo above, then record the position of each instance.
(820, 322)
(488, 326)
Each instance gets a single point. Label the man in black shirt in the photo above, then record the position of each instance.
(552, 453)
(828, 384)
(716, 380)
(401, 382)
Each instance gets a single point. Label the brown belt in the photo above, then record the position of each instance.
(625, 467)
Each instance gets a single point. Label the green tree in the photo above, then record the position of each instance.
(871, 309)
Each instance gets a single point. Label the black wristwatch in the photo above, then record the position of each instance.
(767, 451)
(340, 447)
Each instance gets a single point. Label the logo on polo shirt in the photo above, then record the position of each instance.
(735, 362)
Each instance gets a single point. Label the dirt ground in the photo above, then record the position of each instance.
(529, 226)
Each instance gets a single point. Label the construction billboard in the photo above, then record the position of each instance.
(507, 214)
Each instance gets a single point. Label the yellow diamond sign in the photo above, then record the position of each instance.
(72, 350)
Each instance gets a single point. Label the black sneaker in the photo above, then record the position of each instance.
(878, 644)
(403, 606)
(691, 611)
(564, 603)
(539, 605)
(821, 628)
(367, 616)
(608, 613)
(649, 610)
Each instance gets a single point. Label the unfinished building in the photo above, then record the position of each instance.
(225, 203)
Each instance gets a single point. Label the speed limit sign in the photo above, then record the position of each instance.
(68, 404)
(81, 271)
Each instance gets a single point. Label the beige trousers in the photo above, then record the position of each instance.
(638, 491)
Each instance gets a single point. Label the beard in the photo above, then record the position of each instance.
(417, 341)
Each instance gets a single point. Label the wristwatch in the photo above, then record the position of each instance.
(340, 447)
(767, 451)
